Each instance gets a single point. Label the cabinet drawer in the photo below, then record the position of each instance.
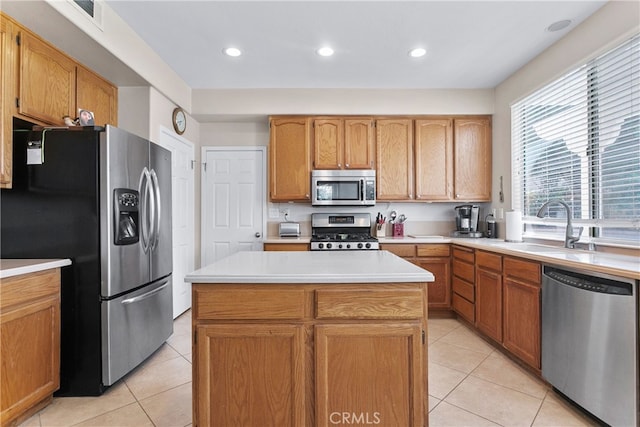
(463, 254)
(402, 250)
(24, 288)
(463, 270)
(464, 289)
(433, 250)
(464, 308)
(286, 246)
(489, 260)
(369, 304)
(524, 270)
(213, 304)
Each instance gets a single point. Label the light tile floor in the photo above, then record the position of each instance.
(470, 384)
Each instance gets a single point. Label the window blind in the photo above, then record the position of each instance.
(578, 139)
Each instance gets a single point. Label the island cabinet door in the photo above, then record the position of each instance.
(370, 374)
(249, 375)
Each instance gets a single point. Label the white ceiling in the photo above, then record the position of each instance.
(470, 44)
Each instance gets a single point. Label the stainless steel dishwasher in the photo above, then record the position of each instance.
(590, 342)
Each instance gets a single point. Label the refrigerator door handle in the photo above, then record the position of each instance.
(144, 296)
(147, 209)
(157, 209)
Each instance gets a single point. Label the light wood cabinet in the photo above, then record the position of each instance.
(47, 81)
(394, 159)
(290, 159)
(40, 85)
(97, 95)
(286, 247)
(434, 159)
(522, 309)
(433, 257)
(30, 350)
(8, 62)
(472, 159)
(488, 302)
(463, 282)
(341, 143)
(306, 354)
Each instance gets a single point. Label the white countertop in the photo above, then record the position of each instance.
(15, 267)
(311, 267)
(610, 263)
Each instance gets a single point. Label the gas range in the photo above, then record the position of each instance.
(340, 232)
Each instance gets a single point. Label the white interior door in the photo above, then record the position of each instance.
(233, 201)
(183, 216)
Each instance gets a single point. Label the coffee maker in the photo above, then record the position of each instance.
(467, 221)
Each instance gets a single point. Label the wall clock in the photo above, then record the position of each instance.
(179, 120)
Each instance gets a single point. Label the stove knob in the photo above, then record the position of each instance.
(321, 245)
(348, 246)
(368, 245)
(340, 246)
(329, 245)
(360, 245)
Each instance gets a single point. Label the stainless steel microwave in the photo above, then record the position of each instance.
(343, 187)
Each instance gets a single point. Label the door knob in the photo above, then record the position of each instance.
(258, 234)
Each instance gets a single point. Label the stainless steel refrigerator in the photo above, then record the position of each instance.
(101, 197)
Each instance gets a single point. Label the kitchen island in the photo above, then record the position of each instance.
(310, 338)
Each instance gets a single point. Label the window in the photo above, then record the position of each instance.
(578, 140)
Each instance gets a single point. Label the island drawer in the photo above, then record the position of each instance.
(248, 303)
(369, 304)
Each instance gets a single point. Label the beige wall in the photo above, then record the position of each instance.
(609, 26)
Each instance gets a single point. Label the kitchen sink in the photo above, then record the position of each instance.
(532, 247)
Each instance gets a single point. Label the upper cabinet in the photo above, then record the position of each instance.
(343, 143)
(394, 159)
(472, 157)
(434, 159)
(290, 159)
(47, 89)
(41, 85)
(417, 158)
(7, 79)
(97, 95)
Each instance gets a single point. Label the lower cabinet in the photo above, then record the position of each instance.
(30, 343)
(309, 354)
(434, 258)
(522, 310)
(463, 283)
(489, 294)
(507, 304)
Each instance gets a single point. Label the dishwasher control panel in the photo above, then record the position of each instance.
(589, 283)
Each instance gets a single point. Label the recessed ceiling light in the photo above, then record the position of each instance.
(232, 51)
(417, 52)
(325, 51)
(560, 25)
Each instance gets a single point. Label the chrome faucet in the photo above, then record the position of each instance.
(569, 239)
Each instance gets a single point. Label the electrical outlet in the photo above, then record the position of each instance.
(274, 213)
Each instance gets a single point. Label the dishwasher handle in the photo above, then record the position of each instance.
(588, 283)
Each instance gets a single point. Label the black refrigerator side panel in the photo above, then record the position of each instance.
(53, 212)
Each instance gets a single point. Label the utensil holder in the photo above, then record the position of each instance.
(398, 230)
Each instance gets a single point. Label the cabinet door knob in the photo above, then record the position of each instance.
(346, 165)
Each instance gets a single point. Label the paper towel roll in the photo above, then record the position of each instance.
(514, 226)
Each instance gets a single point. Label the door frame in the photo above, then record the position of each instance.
(168, 133)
